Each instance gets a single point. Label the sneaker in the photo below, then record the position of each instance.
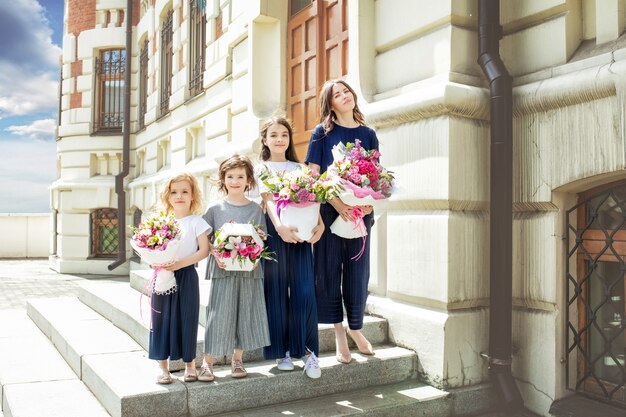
(312, 367)
(206, 373)
(237, 369)
(285, 364)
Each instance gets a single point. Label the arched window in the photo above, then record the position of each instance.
(104, 233)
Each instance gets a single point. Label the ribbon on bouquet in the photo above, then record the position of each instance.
(357, 219)
(149, 288)
(281, 203)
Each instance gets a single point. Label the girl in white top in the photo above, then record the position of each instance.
(289, 284)
(174, 332)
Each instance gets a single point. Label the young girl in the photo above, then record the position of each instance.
(175, 316)
(236, 316)
(338, 277)
(289, 283)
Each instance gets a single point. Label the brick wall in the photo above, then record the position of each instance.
(76, 98)
(81, 15)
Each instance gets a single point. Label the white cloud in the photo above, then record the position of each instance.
(29, 61)
(26, 34)
(23, 93)
(26, 175)
(38, 130)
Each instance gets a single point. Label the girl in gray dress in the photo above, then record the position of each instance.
(236, 315)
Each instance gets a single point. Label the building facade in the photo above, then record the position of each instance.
(205, 74)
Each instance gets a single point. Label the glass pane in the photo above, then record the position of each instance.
(297, 5)
(607, 348)
(608, 210)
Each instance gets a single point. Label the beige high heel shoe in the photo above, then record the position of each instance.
(367, 349)
(342, 358)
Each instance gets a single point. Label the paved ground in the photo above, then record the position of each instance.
(21, 279)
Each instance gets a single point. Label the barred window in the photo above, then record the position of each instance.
(104, 233)
(109, 97)
(167, 54)
(143, 85)
(197, 41)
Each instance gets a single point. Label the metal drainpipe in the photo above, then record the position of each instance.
(501, 203)
(119, 178)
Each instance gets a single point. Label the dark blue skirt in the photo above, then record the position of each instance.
(290, 298)
(174, 332)
(341, 281)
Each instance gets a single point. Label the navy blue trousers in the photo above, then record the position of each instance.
(339, 280)
(174, 332)
(290, 298)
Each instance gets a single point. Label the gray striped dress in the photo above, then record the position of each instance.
(236, 314)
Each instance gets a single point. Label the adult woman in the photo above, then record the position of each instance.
(340, 281)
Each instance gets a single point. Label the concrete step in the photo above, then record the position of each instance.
(406, 398)
(85, 338)
(120, 304)
(76, 330)
(128, 310)
(46, 386)
(125, 383)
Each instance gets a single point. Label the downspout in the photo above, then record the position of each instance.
(119, 178)
(501, 203)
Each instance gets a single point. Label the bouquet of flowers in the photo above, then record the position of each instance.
(298, 195)
(239, 246)
(156, 240)
(364, 182)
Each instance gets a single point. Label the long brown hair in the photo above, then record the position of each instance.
(327, 115)
(290, 153)
(196, 193)
(234, 162)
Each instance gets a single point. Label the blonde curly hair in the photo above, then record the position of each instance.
(197, 204)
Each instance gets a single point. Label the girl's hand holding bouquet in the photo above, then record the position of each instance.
(156, 240)
(298, 195)
(363, 181)
(239, 247)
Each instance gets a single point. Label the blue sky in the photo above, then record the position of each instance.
(31, 33)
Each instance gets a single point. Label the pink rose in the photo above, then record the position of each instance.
(355, 179)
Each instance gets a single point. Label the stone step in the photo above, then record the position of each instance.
(128, 310)
(101, 296)
(121, 376)
(46, 386)
(406, 398)
(125, 383)
(76, 330)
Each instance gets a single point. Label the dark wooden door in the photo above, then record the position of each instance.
(317, 48)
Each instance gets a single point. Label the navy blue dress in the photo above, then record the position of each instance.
(290, 298)
(174, 332)
(340, 281)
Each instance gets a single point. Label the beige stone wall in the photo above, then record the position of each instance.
(568, 134)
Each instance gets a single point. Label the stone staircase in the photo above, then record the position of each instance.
(90, 360)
